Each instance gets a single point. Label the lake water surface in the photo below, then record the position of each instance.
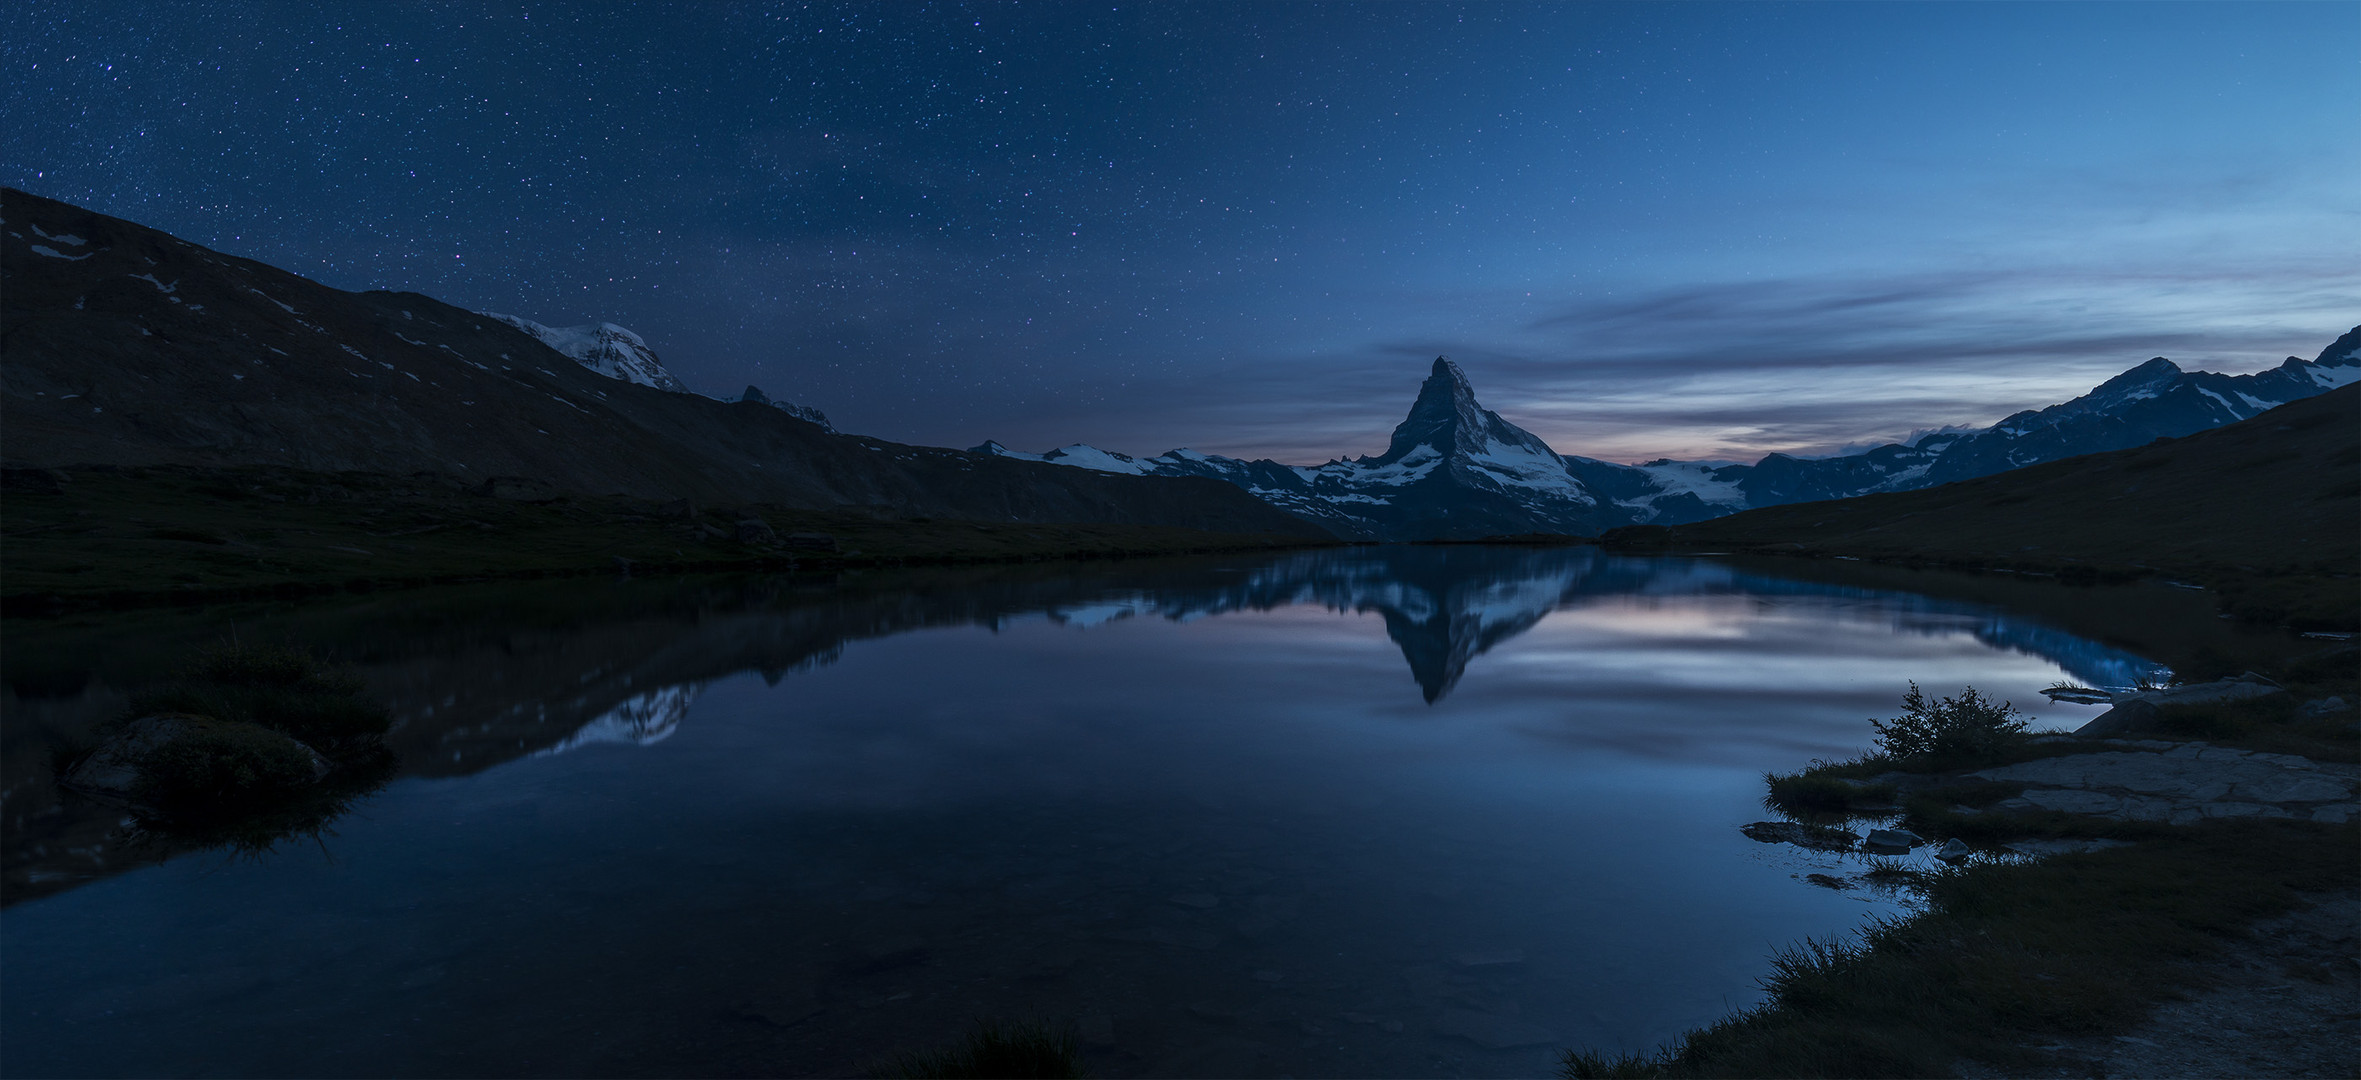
(1394, 811)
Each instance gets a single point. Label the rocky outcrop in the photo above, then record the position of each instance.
(2183, 783)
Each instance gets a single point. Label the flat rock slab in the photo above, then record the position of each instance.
(2203, 693)
(2191, 782)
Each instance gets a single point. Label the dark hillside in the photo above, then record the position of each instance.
(2268, 507)
(121, 345)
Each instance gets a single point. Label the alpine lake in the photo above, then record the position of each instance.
(1380, 811)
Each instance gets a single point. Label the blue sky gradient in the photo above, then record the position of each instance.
(1692, 230)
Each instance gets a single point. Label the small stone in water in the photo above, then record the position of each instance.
(1890, 842)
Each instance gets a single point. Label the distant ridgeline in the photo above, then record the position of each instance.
(1457, 470)
(126, 346)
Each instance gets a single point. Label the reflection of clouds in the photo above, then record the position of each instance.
(1648, 630)
(644, 720)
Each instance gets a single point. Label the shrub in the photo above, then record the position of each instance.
(1811, 792)
(1968, 726)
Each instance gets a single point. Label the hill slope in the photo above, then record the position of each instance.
(126, 346)
(2276, 497)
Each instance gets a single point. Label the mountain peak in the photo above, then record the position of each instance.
(1444, 415)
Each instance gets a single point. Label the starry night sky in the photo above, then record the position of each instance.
(1685, 229)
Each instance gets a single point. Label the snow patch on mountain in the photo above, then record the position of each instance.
(1695, 478)
(801, 412)
(605, 348)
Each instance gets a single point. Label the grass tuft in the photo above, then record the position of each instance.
(1000, 1050)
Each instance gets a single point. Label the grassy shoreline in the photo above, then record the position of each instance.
(143, 537)
(2007, 953)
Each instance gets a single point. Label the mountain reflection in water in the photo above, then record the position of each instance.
(478, 677)
(1192, 806)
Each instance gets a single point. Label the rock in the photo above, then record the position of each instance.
(2074, 800)
(623, 565)
(681, 509)
(812, 541)
(1890, 842)
(1489, 1031)
(1955, 851)
(754, 530)
(2238, 689)
(2327, 706)
(2295, 787)
(112, 772)
(2125, 718)
(1816, 837)
(2079, 695)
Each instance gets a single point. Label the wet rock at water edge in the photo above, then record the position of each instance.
(2128, 718)
(127, 768)
(1890, 842)
(1955, 851)
(1816, 837)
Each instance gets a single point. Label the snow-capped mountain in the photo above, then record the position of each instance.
(617, 353)
(605, 348)
(2153, 401)
(1452, 469)
(1455, 469)
(800, 412)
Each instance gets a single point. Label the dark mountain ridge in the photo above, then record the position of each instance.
(126, 346)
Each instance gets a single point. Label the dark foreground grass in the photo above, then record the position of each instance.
(1003, 1050)
(2007, 953)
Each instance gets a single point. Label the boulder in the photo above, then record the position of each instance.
(1890, 842)
(754, 530)
(1816, 837)
(2127, 718)
(1955, 851)
(115, 771)
(2249, 685)
(679, 509)
(2327, 706)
